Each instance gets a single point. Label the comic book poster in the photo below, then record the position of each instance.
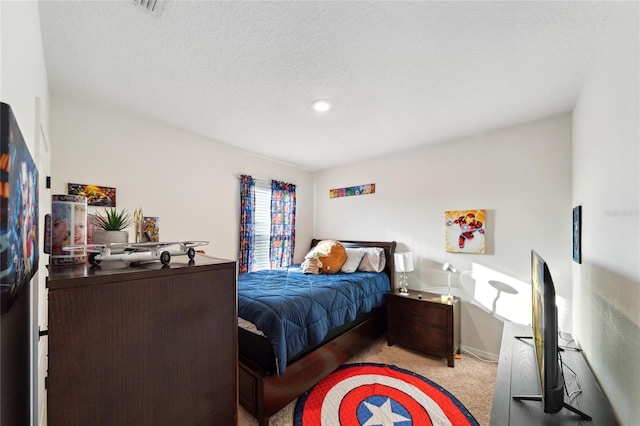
(19, 250)
(465, 231)
(350, 191)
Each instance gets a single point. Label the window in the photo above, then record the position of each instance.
(262, 225)
(267, 224)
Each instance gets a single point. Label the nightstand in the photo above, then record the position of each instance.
(424, 322)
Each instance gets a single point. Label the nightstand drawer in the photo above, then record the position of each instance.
(408, 310)
(418, 336)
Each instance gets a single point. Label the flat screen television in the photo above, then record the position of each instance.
(544, 321)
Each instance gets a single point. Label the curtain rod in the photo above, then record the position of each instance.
(263, 180)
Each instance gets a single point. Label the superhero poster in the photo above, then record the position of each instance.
(19, 251)
(464, 231)
(369, 188)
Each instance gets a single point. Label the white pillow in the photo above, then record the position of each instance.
(373, 260)
(354, 256)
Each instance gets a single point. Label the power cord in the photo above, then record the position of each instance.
(578, 389)
(569, 341)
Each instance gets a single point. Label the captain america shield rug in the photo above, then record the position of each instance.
(375, 394)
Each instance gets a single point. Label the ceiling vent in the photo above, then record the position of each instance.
(154, 7)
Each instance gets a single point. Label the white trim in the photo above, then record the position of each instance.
(480, 354)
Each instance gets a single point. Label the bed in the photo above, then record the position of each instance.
(266, 385)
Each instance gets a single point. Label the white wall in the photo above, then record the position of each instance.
(189, 182)
(606, 160)
(23, 85)
(521, 175)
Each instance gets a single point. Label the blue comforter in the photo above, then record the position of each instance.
(296, 310)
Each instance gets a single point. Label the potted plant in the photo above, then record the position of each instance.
(112, 224)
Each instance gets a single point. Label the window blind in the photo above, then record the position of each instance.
(262, 225)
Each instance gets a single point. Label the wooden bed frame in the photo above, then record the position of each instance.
(264, 395)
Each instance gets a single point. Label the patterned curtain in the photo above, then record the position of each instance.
(283, 224)
(247, 225)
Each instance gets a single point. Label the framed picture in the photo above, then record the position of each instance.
(577, 234)
(465, 231)
(151, 229)
(369, 188)
(96, 195)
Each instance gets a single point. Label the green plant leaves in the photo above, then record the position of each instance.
(114, 220)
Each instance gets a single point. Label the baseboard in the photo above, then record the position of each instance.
(480, 354)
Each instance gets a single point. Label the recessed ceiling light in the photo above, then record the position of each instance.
(321, 105)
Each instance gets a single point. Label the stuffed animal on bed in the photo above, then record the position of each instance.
(333, 255)
(312, 263)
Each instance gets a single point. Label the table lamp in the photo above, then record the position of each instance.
(403, 264)
(451, 270)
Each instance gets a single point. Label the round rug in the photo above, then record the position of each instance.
(375, 394)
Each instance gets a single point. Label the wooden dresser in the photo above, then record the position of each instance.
(143, 345)
(424, 322)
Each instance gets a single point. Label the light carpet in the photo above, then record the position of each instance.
(471, 380)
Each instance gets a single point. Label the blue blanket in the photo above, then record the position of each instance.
(296, 310)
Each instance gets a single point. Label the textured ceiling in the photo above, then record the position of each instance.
(400, 74)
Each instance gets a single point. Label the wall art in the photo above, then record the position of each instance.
(96, 195)
(19, 250)
(369, 188)
(577, 234)
(465, 231)
(151, 228)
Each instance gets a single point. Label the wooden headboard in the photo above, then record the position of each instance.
(389, 248)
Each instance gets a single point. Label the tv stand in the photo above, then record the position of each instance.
(564, 404)
(517, 381)
(539, 397)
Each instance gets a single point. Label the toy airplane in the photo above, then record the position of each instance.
(138, 252)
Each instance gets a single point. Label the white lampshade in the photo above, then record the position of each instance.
(403, 262)
(449, 267)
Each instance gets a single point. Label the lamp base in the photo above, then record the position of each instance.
(446, 298)
(404, 283)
